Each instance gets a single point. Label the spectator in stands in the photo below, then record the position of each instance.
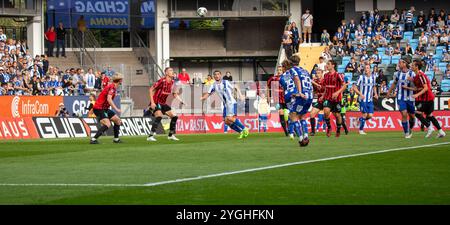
(45, 64)
(397, 34)
(321, 65)
(421, 24)
(60, 40)
(338, 36)
(3, 89)
(398, 50)
(349, 49)
(365, 57)
(409, 24)
(90, 79)
(307, 23)
(35, 85)
(444, 39)
(209, 80)
(287, 44)
(359, 34)
(352, 26)
(183, 77)
(340, 49)
(50, 37)
(376, 57)
(381, 77)
(326, 54)
(109, 71)
(442, 15)
(2, 36)
(324, 38)
(228, 76)
(440, 23)
(430, 24)
(430, 62)
(448, 20)
(395, 17)
(352, 66)
(359, 50)
(408, 50)
(435, 87)
(197, 80)
(105, 80)
(295, 37)
(98, 81)
(383, 90)
(446, 57)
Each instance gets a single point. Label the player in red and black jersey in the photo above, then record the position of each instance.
(158, 104)
(103, 112)
(334, 85)
(275, 90)
(317, 106)
(424, 100)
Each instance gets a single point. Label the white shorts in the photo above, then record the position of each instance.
(230, 110)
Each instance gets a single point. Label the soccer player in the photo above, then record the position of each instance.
(158, 97)
(302, 101)
(334, 85)
(405, 99)
(317, 106)
(424, 100)
(366, 89)
(273, 85)
(224, 90)
(105, 115)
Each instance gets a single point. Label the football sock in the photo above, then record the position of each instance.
(225, 128)
(297, 128)
(155, 124)
(327, 121)
(338, 127)
(313, 125)
(239, 123)
(344, 125)
(412, 123)
(116, 130)
(173, 125)
(362, 123)
(291, 127)
(405, 127)
(434, 121)
(304, 127)
(100, 131)
(283, 124)
(424, 121)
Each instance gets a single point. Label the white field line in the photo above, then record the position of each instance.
(227, 173)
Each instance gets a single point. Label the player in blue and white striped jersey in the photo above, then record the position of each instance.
(303, 100)
(366, 89)
(224, 90)
(403, 79)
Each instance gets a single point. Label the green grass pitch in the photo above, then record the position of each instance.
(410, 176)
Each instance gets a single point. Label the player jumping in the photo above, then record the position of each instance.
(225, 89)
(366, 89)
(334, 85)
(105, 115)
(158, 97)
(425, 100)
(405, 99)
(303, 100)
(274, 87)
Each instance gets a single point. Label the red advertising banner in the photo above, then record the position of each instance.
(29, 106)
(22, 128)
(381, 121)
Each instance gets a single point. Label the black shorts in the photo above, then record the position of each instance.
(163, 108)
(104, 114)
(335, 107)
(318, 105)
(425, 107)
(283, 106)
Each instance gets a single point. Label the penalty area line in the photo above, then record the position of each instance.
(153, 184)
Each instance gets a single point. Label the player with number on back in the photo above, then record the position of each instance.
(334, 85)
(405, 100)
(224, 90)
(105, 115)
(366, 89)
(424, 100)
(303, 99)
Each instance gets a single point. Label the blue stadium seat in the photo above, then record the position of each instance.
(346, 58)
(395, 59)
(414, 41)
(381, 50)
(348, 76)
(345, 62)
(386, 59)
(442, 68)
(341, 68)
(430, 74)
(439, 49)
(415, 19)
(442, 64)
(445, 85)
